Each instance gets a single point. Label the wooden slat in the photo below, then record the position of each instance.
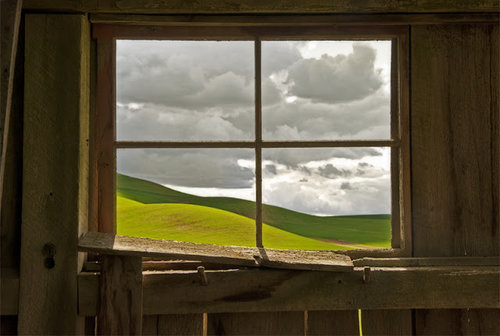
(302, 20)
(457, 322)
(429, 261)
(120, 296)
(244, 256)
(9, 291)
(263, 323)
(150, 325)
(10, 11)
(334, 322)
(387, 322)
(180, 324)
(455, 148)
(281, 290)
(11, 204)
(55, 103)
(273, 6)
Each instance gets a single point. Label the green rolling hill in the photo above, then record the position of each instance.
(149, 197)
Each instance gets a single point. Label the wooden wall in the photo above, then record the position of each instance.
(455, 176)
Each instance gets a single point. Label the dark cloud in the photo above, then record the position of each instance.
(270, 169)
(346, 186)
(331, 172)
(336, 79)
(203, 168)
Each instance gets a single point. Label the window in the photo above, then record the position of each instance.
(285, 137)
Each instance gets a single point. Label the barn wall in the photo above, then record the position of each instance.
(455, 179)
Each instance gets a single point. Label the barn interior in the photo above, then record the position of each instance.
(64, 271)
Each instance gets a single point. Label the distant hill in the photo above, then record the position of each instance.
(368, 230)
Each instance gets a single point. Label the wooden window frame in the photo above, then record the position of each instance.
(104, 144)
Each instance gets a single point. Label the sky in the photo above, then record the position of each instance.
(311, 90)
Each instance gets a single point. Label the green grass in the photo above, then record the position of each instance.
(369, 230)
(200, 224)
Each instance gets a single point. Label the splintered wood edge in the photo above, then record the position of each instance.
(111, 244)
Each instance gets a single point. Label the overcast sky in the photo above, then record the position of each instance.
(311, 90)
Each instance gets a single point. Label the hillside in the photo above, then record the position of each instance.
(369, 230)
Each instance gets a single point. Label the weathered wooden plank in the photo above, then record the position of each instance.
(262, 323)
(457, 322)
(120, 296)
(455, 137)
(386, 322)
(454, 126)
(244, 256)
(304, 20)
(55, 104)
(428, 261)
(333, 322)
(255, 290)
(170, 265)
(150, 325)
(274, 6)
(10, 206)
(180, 324)
(10, 12)
(9, 291)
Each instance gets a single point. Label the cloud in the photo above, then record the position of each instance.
(329, 171)
(336, 79)
(204, 168)
(293, 157)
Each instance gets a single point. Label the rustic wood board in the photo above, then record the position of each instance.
(273, 6)
(333, 322)
(150, 325)
(457, 322)
(10, 12)
(261, 323)
(455, 152)
(387, 322)
(56, 56)
(120, 296)
(9, 291)
(427, 261)
(11, 207)
(180, 324)
(254, 290)
(105, 243)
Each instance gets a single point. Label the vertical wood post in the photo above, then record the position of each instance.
(54, 182)
(120, 296)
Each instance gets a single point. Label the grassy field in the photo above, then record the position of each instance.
(156, 207)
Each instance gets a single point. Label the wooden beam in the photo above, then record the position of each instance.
(120, 296)
(105, 243)
(55, 109)
(10, 19)
(429, 261)
(272, 6)
(302, 20)
(255, 290)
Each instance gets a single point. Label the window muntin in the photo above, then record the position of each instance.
(395, 142)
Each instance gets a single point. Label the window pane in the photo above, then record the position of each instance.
(338, 198)
(195, 195)
(326, 90)
(185, 90)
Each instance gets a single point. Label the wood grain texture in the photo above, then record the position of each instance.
(262, 323)
(458, 322)
(303, 20)
(333, 322)
(11, 204)
(236, 255)
(455, 140)
(150, 325)
(9, 291)
(273, 6)
(255, 290)
(387, 322)
(55, 67)
(455, 148)
(10, 12)
(180, 324)
(120, 296)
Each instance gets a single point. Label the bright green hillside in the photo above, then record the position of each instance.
(371, 230)
(200, 224)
